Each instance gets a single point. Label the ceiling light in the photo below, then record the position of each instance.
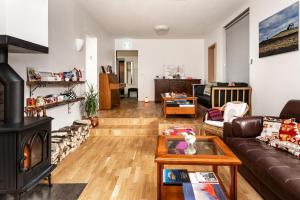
(161, 28)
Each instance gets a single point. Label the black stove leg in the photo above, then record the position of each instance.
(17, 196)
(49, 181)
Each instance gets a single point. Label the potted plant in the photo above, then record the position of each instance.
(90, 105)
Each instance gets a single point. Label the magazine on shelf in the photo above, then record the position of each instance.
(203, 177)
(186, 106)
(203, 191)
(175, 176)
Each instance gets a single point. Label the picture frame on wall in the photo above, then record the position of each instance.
(279, 33)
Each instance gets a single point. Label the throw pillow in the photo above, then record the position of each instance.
(270, 130)
(289, 137)
(289, 131)
(207, 89)
(290, 147)
(215, 114)
(234, 110)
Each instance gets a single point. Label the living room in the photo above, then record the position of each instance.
(75, 118)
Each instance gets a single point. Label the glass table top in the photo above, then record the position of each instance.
(200, 147)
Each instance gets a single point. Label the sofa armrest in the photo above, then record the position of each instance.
(244, 127)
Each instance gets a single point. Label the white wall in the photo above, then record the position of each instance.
(67, 21)
(2, 17)
(153, 54)
(274, 79)
(218, 37)
(27, 20)
(91, 60)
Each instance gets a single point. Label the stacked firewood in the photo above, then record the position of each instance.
(68, 139)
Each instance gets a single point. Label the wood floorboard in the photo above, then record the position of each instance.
(123, 167)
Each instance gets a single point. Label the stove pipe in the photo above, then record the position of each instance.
(13, 86)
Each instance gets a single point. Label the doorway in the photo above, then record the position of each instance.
(212, 62)
(127, 72)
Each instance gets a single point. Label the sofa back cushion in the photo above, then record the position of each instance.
(291, 110)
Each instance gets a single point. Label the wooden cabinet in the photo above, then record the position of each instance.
(174, 85)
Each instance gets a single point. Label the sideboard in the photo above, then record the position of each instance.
(174, 85)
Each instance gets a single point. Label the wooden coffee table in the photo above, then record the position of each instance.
(179, 110)
(210, 151)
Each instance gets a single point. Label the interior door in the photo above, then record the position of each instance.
(121, 72)
(211, 63)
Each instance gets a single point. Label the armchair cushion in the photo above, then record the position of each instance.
(233, 110)
(218, 124)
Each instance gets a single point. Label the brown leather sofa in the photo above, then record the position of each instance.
(275, 174)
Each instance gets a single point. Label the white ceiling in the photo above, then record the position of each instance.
(136, 18)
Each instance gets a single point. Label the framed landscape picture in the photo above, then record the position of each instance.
(279, 33)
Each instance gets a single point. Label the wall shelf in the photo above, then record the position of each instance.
(69, 102)
(45, 83)
(33, 85)
(56, 104)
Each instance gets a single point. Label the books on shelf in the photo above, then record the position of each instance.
(187, 106)
(195, 185)
(203, 177)
(175, 176)
(203, 191)
(179, 103)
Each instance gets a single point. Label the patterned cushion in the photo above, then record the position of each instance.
(215, 114)
(289, 131)
(271, 127)
(289, 137)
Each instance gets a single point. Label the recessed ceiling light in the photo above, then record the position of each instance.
(161, 28)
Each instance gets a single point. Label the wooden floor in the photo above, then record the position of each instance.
(123, 167)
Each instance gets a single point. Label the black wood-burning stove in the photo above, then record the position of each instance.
(25, 143)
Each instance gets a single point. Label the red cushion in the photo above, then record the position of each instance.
(215, 114)
(288, 130)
